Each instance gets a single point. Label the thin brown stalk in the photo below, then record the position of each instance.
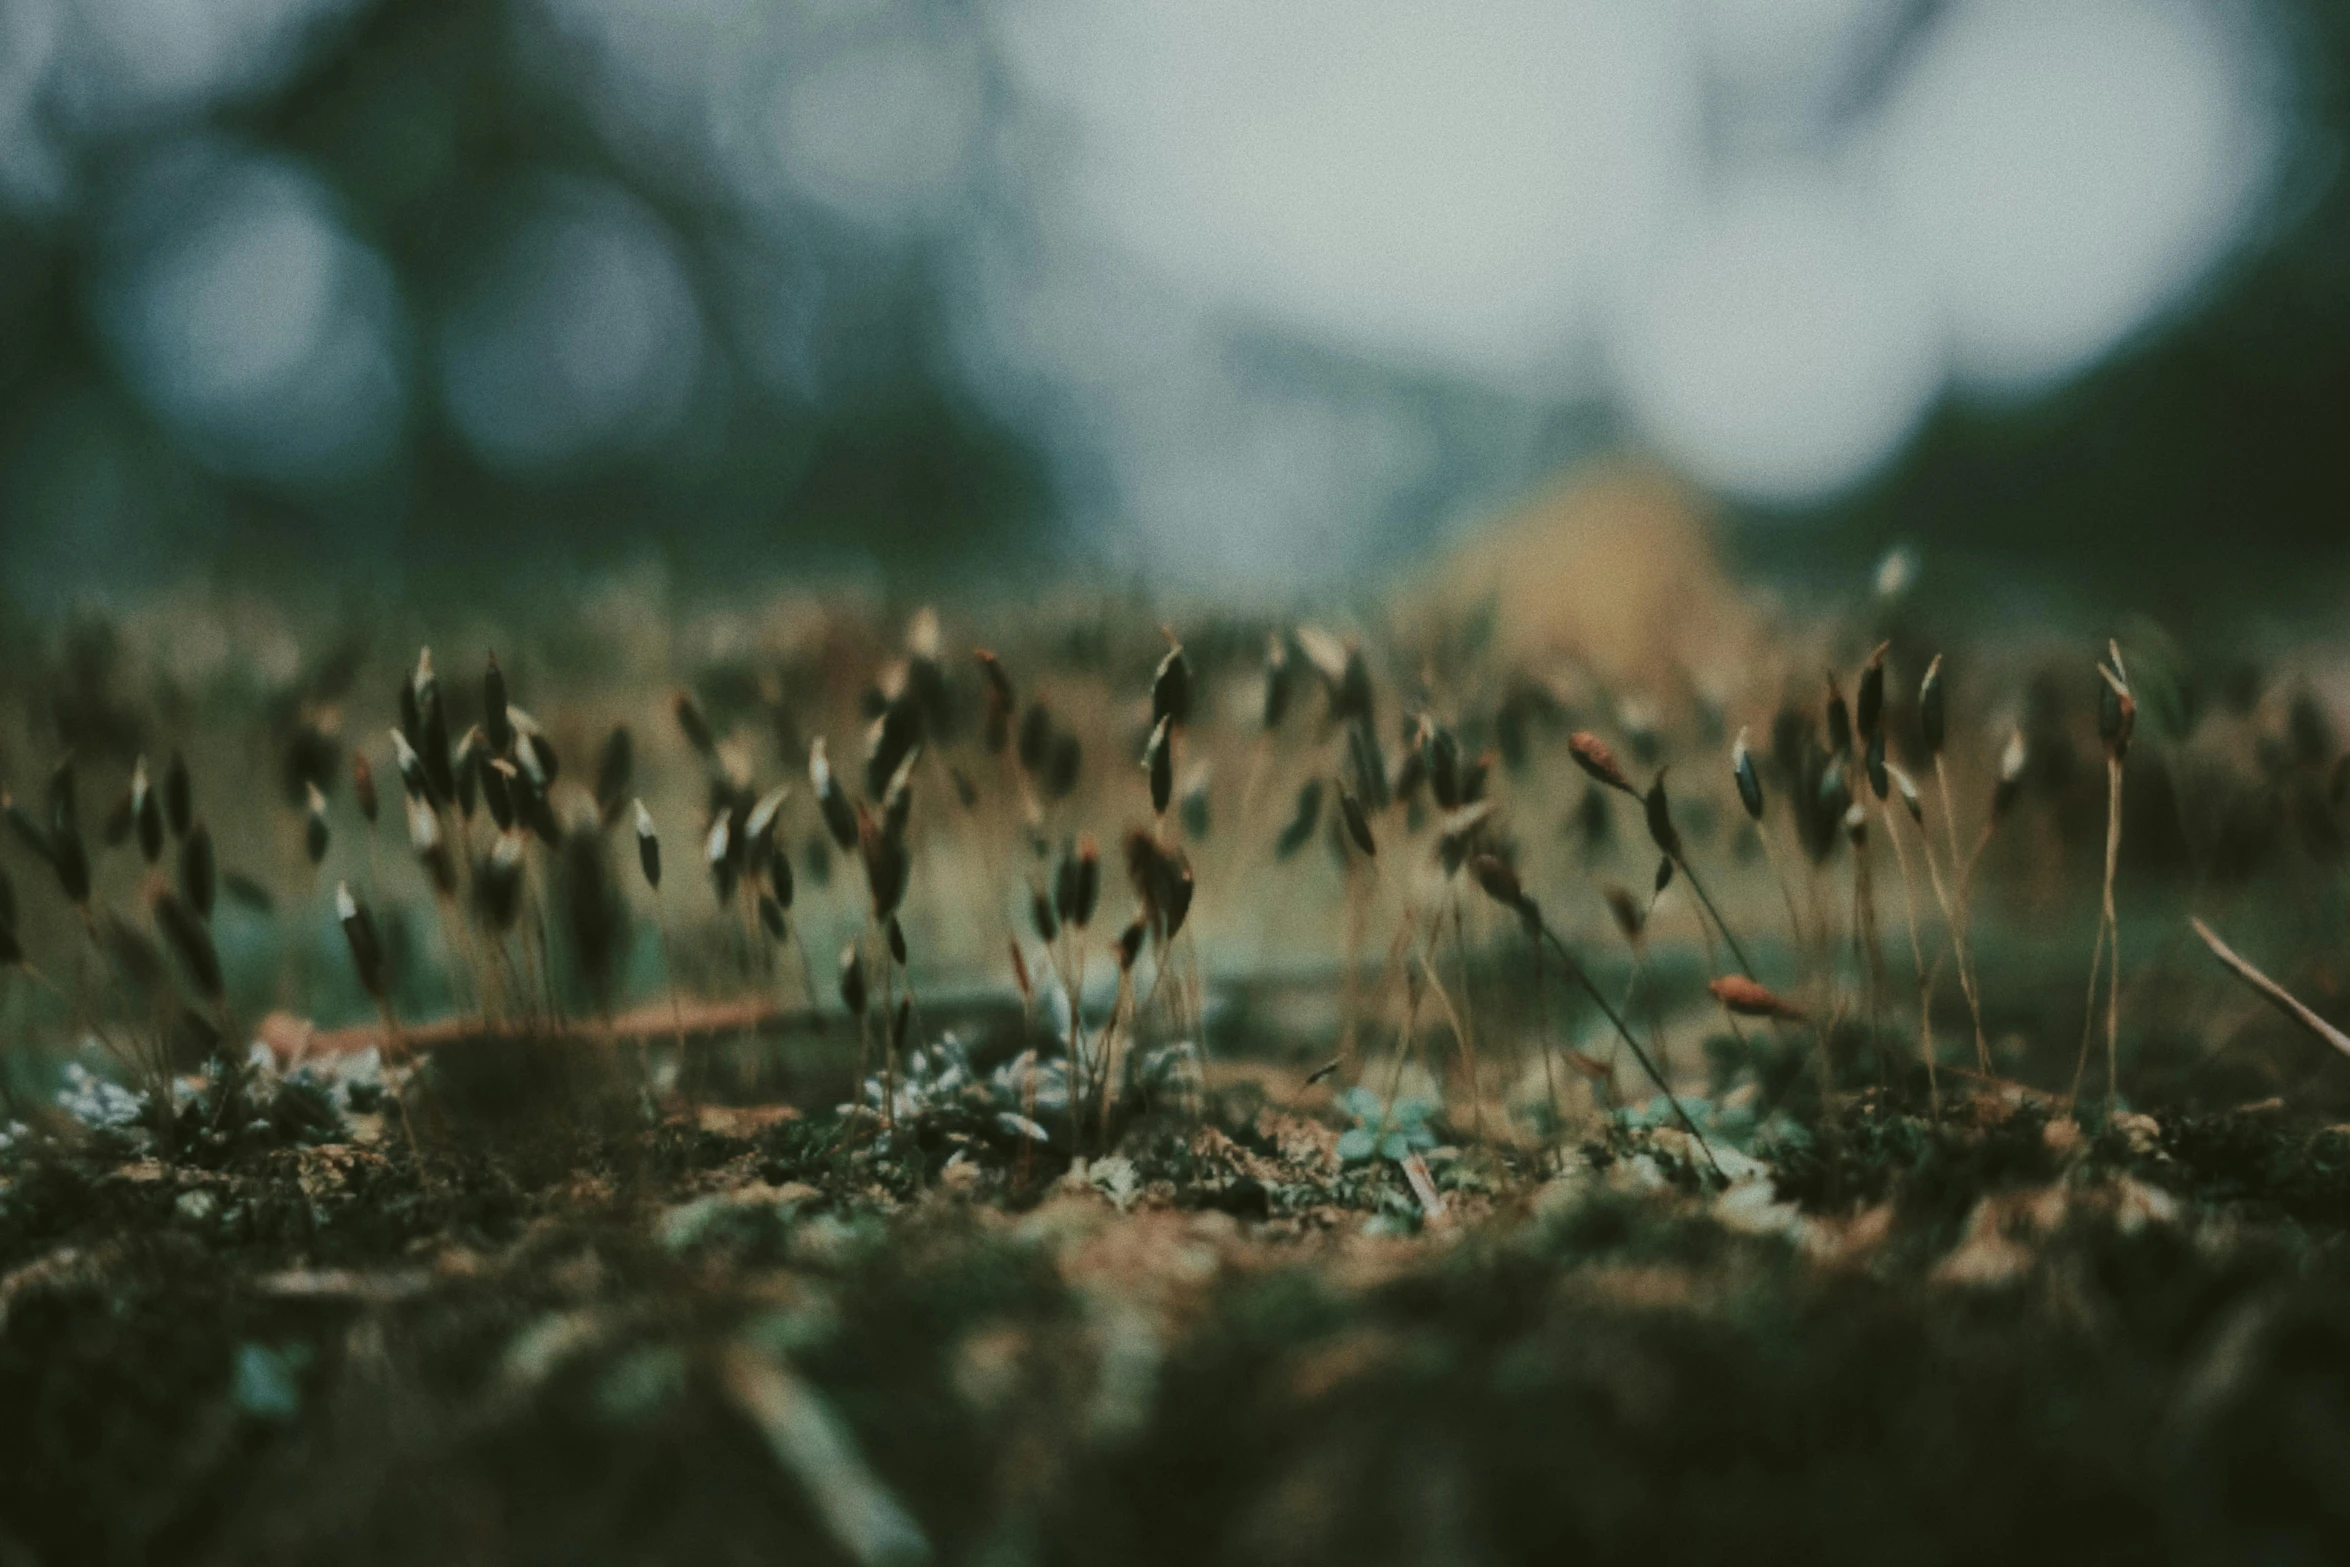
(2108, 939)
(1957, 913)
(2269, 990)
(1541, 931)
(1917, 959)
(1460, 1030)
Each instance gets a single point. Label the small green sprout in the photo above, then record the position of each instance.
(1381, 1130)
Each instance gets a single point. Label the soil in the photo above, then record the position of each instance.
(742, 1335)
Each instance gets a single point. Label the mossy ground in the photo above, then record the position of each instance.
(556, 1327)
(734, 1338)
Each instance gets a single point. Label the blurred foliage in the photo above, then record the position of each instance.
(2207, 455)
(2201, 467)
(421, 118)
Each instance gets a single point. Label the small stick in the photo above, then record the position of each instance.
(2276, 995)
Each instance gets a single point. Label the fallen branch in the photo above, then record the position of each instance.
(2279, 997)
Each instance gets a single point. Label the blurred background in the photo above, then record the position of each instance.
(1213, 292)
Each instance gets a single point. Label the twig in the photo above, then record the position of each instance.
(2278, 996)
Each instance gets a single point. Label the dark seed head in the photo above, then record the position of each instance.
(411, 765)
(897, 797)
(1869, 711)
(694, 726)
(886, 866)
(1631, 919)
(1276, 680)
(615, 767)
(314, 828)
(362, 788)
(179, 796)
(1064, 765)
(501, 780)
(1036, 738)
(1750, 793)
(1835, 798)
(367, 952)
(852, 979)
(1500, 882)
(1158, 761)
(432, 740)
(1302, 818)
(497, 727)
(1659, 811)
(465, 769)
(890, 741)
(996, 727)
(1358, 826)
(189, 938)
(832, 801)
(198, 874)
(648, 846)
(1171, 688)
(718, 854)
(1367, 766)
(1089, 880)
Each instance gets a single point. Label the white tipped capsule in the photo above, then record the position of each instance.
(922, 633)
(1896, 570)
(346, 906)
(528, 737)
(762, 815)
(2011, 775)
(1750, 794)
(721, 839)
(506, 853)
(424, 828)
(648, 846)
(411, 765)
(1909, 793)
